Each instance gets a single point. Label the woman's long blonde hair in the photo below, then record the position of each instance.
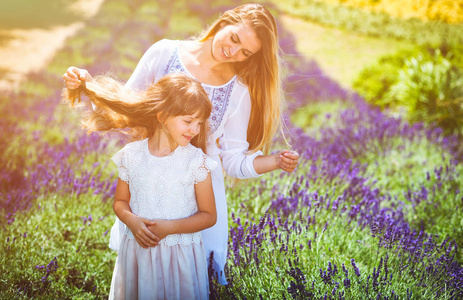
(136, 113)
(261, 72)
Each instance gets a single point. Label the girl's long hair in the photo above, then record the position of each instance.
(140, 114)
(261, 72)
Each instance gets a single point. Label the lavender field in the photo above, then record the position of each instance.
(373, 211)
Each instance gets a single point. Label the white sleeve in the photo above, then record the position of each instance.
(203, 165)
(120, 159)
(233, 143)
(144, 74)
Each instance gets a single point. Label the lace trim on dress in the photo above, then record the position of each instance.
(200, 174)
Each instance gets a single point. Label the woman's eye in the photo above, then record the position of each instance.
(188, 122)
(233, 39)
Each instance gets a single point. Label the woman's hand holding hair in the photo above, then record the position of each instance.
(288, 160)
(74, 76)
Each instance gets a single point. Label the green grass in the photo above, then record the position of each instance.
(54, 230)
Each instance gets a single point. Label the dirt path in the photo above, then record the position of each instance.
(32, 49)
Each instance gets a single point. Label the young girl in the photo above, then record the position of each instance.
(164, 184)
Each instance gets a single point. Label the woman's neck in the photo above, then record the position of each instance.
(197, 56)
(160, 144)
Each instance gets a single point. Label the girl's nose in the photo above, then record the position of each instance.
(195, 129)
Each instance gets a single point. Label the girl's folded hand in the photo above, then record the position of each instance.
(145, 238)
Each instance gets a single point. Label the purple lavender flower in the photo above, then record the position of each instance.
(357, 271)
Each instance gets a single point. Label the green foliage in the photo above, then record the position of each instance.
(431, 90)
(374, 81)
(427, 83)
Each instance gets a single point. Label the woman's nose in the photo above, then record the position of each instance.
(234, 50)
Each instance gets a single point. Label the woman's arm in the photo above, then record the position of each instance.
(205, 217)
(137, 225)
(285, 159)
(233, 144)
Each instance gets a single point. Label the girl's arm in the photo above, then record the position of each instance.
(205, 217)
(286, 160)
(137, 225)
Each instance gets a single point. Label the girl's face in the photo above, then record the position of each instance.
(235, 43)
(183, 128)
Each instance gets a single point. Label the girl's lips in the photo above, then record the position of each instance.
(188, 137)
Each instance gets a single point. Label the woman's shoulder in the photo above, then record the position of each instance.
(161, 46)
(165, 43)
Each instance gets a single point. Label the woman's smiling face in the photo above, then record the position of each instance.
(235, 43)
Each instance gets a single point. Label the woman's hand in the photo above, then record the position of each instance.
(74, 76)
(288, 160)
(139, 227)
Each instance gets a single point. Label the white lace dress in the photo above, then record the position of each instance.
(162, 188)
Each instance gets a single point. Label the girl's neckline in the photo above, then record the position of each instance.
(189, 73)
(148, 152)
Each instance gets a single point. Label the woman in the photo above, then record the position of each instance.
(237, 61)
